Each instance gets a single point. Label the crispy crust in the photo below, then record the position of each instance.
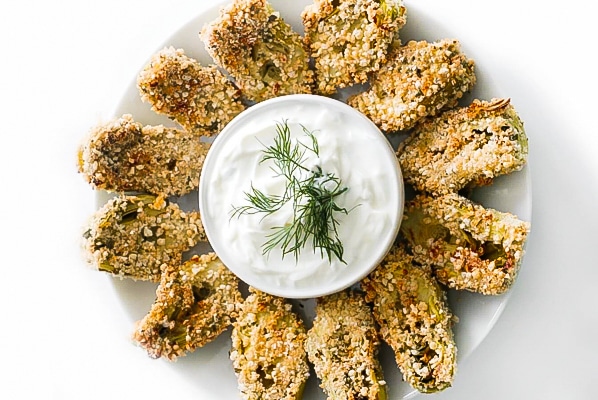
(420, 79)
(200, 98)
(412, 312)
(464, 147)
(268, 352)
(133, 236)
(350, 39)
(259, 50)
(343, 347)
(194, 304)
(123, 155)
(468, 246)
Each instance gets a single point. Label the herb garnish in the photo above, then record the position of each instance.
(311, 193)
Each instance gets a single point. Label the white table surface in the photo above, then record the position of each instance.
(64, 66)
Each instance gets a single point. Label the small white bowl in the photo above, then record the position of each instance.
(350, 146)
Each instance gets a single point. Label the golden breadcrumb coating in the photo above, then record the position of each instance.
(268, 352)
(420, 79)
(468, 246)
(133, 236)
(412, 312)
(200, 98)
(343, 347)
(349, 39)
(126, 156)
(464, 147)
(195, 303)
(253, 43)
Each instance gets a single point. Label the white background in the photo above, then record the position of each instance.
(63, 68)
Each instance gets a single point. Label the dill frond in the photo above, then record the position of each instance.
(312, 194)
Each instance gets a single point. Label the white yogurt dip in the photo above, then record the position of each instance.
(350, 147)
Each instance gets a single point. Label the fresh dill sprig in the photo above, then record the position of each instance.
(312, 194)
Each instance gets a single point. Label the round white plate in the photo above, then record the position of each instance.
(210, 365)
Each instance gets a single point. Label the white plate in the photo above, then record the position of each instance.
(477, 314)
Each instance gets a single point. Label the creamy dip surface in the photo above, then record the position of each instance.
(350, 147)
